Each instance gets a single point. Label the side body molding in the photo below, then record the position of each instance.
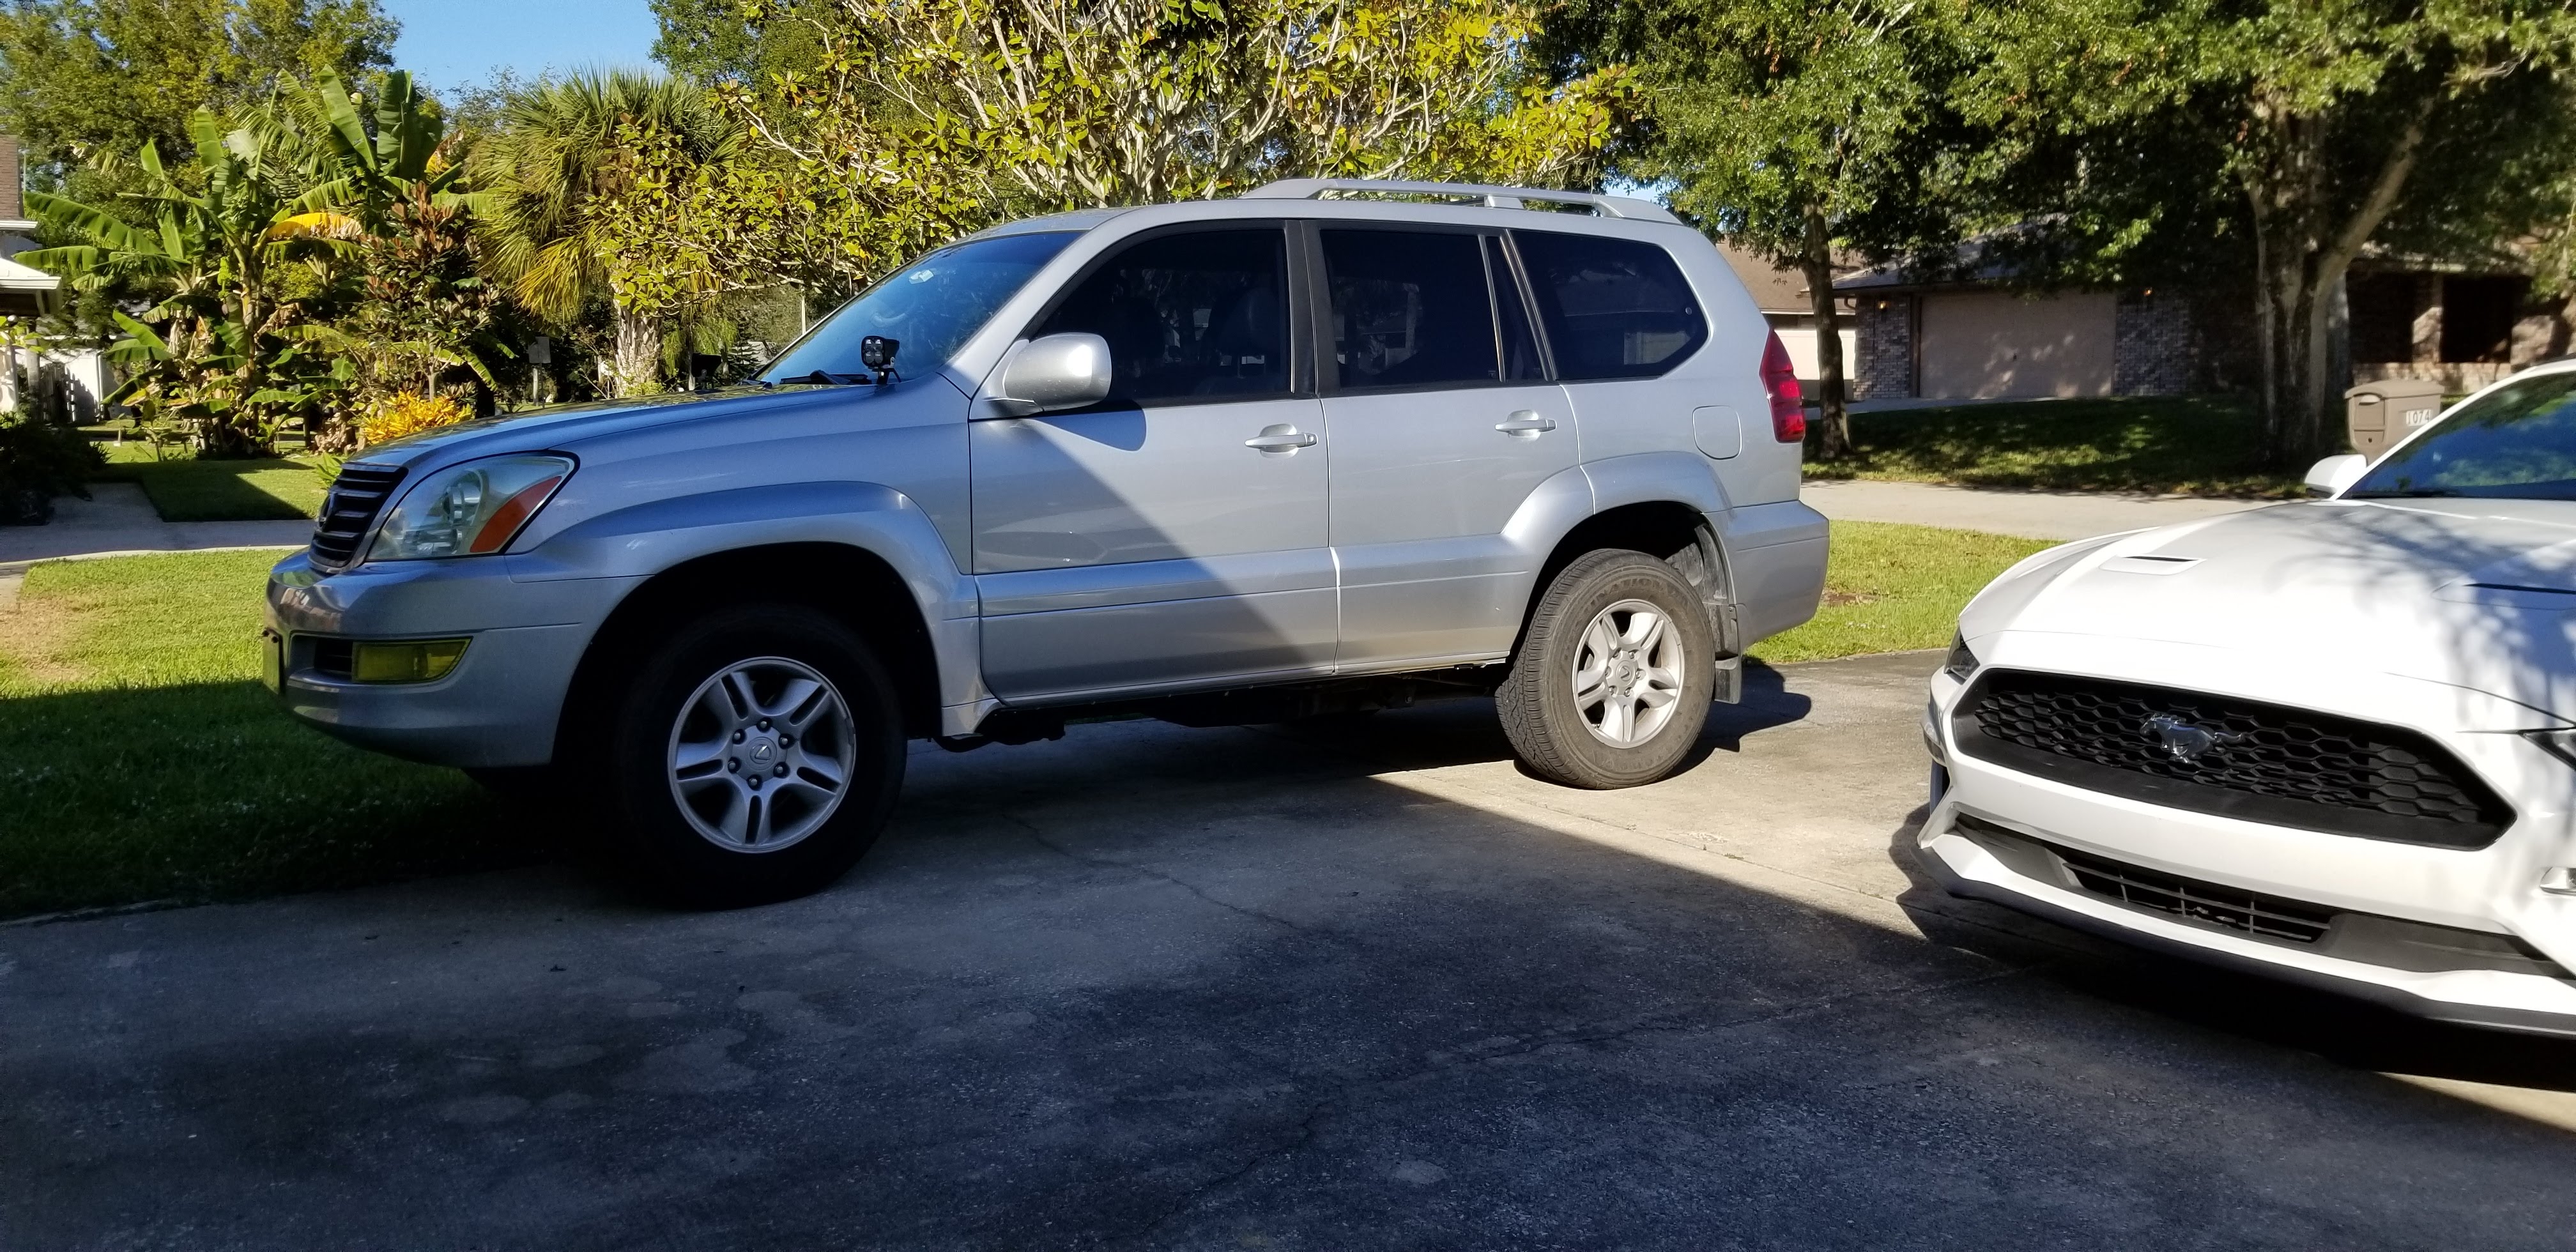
(651, 537)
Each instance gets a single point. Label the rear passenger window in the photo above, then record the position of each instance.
(1198, 316)
(1613, 308)
(1410, 309)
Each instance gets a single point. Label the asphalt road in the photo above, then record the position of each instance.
(1328, 988)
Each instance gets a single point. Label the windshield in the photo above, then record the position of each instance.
(930, 308)
(2515, 442)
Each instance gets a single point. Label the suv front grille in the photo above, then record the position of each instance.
(2235, 758)
(357, 496)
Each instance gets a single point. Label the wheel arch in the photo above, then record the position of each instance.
(854, 585)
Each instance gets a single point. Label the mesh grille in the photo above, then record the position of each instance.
(357, 496)
(2234, 757)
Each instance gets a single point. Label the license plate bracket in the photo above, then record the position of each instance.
(272, 660)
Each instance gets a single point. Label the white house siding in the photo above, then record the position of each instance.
(1992, 345)
(1801, 343)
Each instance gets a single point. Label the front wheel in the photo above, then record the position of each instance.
(1612, 680)
(755, 757)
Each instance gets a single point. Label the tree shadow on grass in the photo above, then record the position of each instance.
(208, 792)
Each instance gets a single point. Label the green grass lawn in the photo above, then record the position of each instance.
(2197, 445)
(185, 489)
(1893, 588)
(141, 760)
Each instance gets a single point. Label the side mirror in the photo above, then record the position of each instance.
(1056, 372)
(2330, 476)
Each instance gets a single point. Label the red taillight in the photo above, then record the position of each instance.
(1780, 382)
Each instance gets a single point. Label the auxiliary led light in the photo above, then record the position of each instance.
(407, 661)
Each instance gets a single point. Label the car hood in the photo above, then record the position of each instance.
(565, 425)
(2478, 594)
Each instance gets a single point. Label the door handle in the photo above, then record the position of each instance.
(1280, 439)
(1526, 425)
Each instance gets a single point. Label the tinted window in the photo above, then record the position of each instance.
(930, 307)
(1195, 316)
(2517, 441)
(1410, 308)
(1613, 308)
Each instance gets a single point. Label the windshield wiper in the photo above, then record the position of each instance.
(2427, 493)
(824, 379)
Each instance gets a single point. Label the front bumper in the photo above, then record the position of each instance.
(499, 707)
(1990, 833)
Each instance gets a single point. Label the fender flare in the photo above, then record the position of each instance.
(651, 538)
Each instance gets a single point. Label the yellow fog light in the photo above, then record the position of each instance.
(410, 661)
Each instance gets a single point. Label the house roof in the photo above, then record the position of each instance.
(1775, 288)
(16, 277)
(1970, 264)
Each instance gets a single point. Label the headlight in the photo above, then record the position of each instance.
(1962, 662)
(469, 509)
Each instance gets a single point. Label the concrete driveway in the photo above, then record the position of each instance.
(1323, 988)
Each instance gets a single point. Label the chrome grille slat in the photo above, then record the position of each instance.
(357, 496)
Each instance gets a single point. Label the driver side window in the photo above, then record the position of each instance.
(1191, 317)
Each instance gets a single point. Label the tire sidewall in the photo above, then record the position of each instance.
(672, 856)
(1544, 669)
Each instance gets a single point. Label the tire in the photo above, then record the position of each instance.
(713, 798)
(1583, 742)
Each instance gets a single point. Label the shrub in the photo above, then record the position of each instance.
(407, 414)
(38, 461)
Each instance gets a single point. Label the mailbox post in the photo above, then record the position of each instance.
(2377, 415)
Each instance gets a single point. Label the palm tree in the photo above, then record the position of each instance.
(556, 173)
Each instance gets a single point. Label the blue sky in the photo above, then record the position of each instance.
(459, 42)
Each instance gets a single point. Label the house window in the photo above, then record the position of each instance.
(2478, 316)
(2383, 316)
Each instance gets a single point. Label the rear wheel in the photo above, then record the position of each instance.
(1613, 678)
(755, 757)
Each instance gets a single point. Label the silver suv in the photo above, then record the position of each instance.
(1218, 462)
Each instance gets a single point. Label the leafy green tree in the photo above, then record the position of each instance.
(710, 41)
(85, 79)
(229, 351)
(2315, 127)
(558, 181)
(921, 122)
(423, 308)
(1796, 128)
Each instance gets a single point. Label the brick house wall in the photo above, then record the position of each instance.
(2154, 351)
(12, 200)
(1885, 331)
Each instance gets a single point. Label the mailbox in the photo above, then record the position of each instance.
(2379, 414)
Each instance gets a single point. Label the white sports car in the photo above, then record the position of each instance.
(2332, 741)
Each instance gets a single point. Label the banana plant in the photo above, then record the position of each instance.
(226, 352)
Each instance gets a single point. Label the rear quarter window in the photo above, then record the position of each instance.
(1613, 308)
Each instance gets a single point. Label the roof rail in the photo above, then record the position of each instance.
(1494, 197)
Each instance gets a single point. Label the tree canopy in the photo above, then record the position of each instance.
(85, 78)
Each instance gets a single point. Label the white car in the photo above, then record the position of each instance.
(2331, 741)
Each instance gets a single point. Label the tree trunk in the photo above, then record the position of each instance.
(1817, 263)
(638, 367)
(2302, 254)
